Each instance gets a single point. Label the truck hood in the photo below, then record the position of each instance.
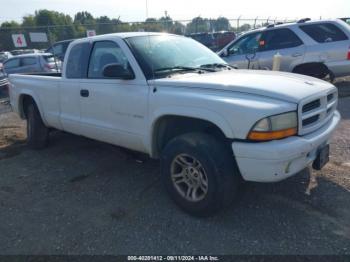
(278, 85)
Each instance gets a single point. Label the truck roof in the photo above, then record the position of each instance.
(132, 34)
(119, 35)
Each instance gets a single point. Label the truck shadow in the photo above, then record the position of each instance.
(343, 86)
(104, 187)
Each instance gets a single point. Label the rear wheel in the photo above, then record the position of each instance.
(315, 70)
(37, 132)
(199, 173)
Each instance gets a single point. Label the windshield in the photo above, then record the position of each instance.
(157, 52)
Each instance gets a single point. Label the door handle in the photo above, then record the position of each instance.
(84, 93)
(297, 54)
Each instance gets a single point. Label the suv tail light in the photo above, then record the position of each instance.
(349, 53)
(48, 66)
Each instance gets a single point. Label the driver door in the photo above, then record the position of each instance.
(113, 110)
(243, 53)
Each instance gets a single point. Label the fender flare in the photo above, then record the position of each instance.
(190, 112)
(27, 92)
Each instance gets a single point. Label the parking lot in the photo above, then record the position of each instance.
(80, 196)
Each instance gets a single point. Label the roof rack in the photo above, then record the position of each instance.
(303, 20)
(273, 25)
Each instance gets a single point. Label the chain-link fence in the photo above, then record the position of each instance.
(203, 30)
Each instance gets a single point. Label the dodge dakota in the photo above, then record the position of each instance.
(168, 96)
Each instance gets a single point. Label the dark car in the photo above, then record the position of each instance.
(222, 39)
(206, 39)
(59, 49)
(215, 41)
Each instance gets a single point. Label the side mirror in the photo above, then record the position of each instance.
(118, 71)
(224, 53)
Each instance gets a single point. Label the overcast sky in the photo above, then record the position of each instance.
(135, 10)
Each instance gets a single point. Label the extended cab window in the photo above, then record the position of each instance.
(105, 53)
(279, 39)
(77, 62)
(245, 45)
(324, 33)
(12, 63)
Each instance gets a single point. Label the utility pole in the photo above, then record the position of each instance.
(166, 21)
(146, 9)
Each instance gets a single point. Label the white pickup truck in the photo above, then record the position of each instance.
(173, 99)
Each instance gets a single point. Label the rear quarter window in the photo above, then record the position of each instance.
(77, 62)
(324, 33)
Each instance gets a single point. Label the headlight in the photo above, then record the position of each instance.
(275, 127)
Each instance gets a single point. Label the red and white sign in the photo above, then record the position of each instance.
(90, 33)
(19, 40)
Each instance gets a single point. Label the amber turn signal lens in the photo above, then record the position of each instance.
(272, 135)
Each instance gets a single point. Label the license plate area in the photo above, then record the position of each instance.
(322, 158)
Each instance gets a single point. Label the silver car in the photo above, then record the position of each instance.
(315, 48)
(32, 63)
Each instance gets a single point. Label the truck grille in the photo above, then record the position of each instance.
(315, 112)
(312, 105)
(330, 97)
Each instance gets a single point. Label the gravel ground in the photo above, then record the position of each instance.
(80, 196)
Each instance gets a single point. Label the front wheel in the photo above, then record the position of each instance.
(199, 173)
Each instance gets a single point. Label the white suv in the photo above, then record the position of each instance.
(314, 48)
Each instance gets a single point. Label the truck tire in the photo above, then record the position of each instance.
(37, 132)
(199, 173)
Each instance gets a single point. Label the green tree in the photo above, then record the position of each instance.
(222, 24)
(151, 25)
(245, 27)
(104, 25)
(198, 25)
(178, 28)
(28, 21)
(166, 23)
(83, 21)
(6, 31)
(84, 18)
(60, 26)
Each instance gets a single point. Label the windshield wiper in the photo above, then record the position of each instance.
(183, 68)
(217, 65)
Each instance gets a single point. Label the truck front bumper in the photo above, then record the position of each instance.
(277, 160)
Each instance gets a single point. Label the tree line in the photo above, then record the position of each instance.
(59, 26)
